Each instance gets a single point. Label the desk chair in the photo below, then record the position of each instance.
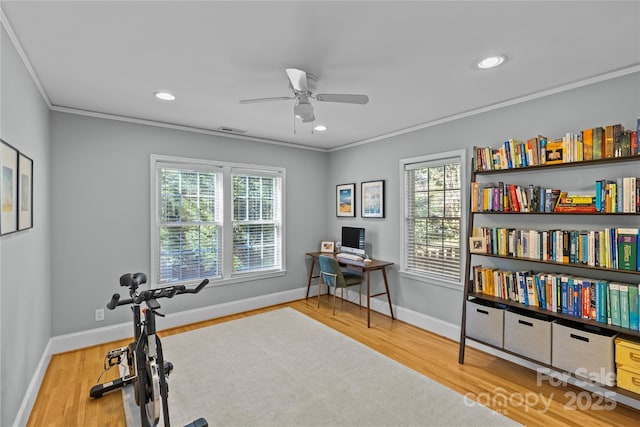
(333, 276)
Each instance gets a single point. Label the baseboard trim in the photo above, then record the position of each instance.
(97, 336)
(75, 341)
(452, 331)
(34, 386)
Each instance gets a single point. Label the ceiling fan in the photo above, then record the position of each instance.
(303, 85)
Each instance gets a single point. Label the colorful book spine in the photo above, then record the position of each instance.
(627, 248)
(587, 141)
(597, 137)
(634, 308)
(614, 303)
(624, 306)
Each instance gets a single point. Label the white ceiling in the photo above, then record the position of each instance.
(413, 59)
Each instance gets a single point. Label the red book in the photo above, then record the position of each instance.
(566, 209)
(514, 198)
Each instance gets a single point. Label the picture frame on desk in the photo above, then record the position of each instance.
(8, 188)
(327, 246)
(346, 200)
(372, 203)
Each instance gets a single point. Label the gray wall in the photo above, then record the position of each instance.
(25, 267)
(613, 101)
(92, 205)
(101, 212)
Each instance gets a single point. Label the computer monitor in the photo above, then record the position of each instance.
(353, 240)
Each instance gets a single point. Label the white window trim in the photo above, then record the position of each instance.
(427, 277)
(227, 168)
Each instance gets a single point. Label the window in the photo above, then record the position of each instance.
(256, 224)
(189, 224)
(214, 220)
(432, 226)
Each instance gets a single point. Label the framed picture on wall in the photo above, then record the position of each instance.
(346, 200)
(372, 194)
(25, 192)
(8, 188)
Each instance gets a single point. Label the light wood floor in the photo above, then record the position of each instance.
(64, 400)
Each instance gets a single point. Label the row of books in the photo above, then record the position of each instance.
(590, 144)
(619, 196)
(612, 248)
(599, 300)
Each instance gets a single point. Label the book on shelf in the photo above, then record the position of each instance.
(628, 249)
(624, 305)
(610, 248)
(610, 141)
(597, 137)
(555, 152)
(614, 298)
(587, 143)
(581, 297)
(634, 308)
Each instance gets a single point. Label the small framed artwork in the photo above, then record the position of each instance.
(477, 245)
(346, 200)
(25, 192)
(8, 188)
(326, 246)
(372, 204)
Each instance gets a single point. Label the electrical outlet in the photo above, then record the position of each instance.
(99, 314)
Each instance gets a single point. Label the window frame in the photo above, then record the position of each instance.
(442, 158)
(228, 169)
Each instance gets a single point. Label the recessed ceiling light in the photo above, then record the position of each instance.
(491, 61)
(165, 96)
(320, 128)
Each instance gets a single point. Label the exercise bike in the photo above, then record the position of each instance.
(147, 369)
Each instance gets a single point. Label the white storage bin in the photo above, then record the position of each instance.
(528, 336)
(485, 322)
(587, 352)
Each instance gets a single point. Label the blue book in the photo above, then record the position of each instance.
(541, 289)
(598, 196)
(564, 295)
(600, 303)
(507, 150)
(634, 308)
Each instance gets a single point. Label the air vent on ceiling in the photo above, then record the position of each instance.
(230, 130)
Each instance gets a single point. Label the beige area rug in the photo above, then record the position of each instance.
(282, 368)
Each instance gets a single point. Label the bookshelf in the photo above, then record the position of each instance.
(546, 266)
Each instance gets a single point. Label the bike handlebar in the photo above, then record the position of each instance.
(166, 292)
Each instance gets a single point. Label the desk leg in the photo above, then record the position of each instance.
(386, 285)
(368, 299)
(313, 263)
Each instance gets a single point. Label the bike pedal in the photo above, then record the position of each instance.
(168, 367)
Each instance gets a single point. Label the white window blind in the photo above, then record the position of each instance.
(432, 217)
(188, 223)
(256, 222)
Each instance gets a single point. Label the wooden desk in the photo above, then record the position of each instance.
(367, 268)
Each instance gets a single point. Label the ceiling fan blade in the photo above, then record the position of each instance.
(298, 79)
(341, 97)
(276, 98)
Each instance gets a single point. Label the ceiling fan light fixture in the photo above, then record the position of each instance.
(165, 96)
(491, 61)
(303, 110)
(320, 128)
